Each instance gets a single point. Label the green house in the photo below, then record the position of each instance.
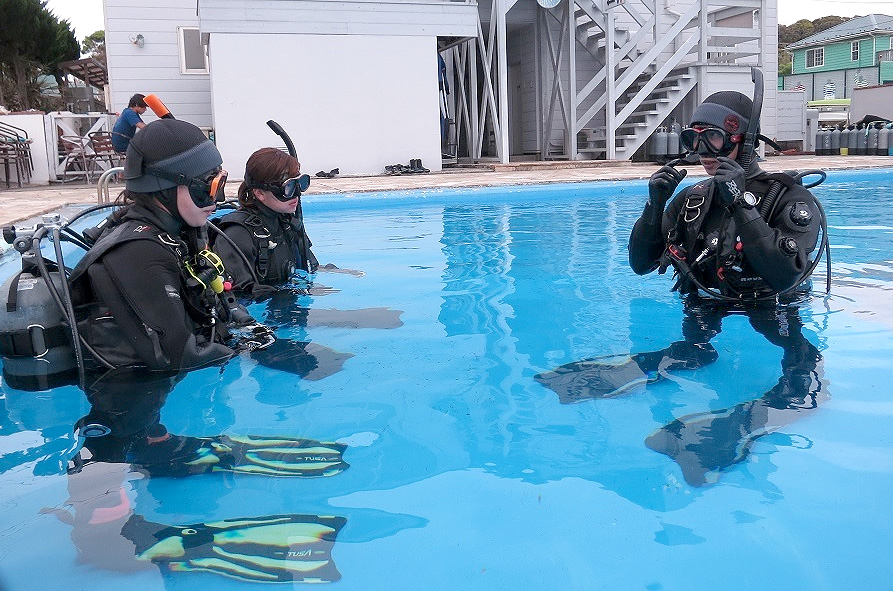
(828, 65)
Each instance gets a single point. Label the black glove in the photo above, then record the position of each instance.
(729, 179)
(660, 188)
(253, 337)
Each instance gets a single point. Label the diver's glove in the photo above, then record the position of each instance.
(253, 337)
(729, 179)
(660, 188)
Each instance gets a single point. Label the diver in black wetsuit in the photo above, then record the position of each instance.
(268, 228)
(140, 304)
(740, 242)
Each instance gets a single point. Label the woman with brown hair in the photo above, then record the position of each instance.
(268, 227)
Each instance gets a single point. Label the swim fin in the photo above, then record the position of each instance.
(250, 454)
(272, 549)
(594, 378)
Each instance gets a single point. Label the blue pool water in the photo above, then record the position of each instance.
(465, 472)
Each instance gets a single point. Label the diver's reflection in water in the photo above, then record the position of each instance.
(283, 310)
(124, 428)
(704, 444)
(307, 360)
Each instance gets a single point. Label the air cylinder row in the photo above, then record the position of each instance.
(871, 139)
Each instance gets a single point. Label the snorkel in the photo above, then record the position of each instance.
(277, 129)
(748, 147)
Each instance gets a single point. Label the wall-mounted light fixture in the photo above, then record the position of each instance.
(138, 39)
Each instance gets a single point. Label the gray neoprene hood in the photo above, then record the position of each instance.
(174, 146)
(728, 110)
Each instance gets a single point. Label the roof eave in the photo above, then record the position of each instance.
(804, 45)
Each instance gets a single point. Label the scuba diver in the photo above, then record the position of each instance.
(141, 304)
(264, 242)
(740, 243)
(268, 228)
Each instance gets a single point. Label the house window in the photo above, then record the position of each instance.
(815, 58)
(854, 51)
(193, 55)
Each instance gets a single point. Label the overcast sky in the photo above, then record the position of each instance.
(86, 15)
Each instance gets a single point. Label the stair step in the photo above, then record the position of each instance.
(656, 100)
(659, 89)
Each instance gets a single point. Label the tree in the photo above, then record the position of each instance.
(94, 46)
(32, 42)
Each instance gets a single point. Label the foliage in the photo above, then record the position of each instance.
(32, 42)
(94, 45)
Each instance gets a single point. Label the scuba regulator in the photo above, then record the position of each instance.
(205, 269)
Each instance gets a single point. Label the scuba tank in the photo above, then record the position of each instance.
(35, 338)
(845, 141)
(673, 147)
(861, 141)
(883, 140)
(835, 142)
(890, 140)
(820, 137)
(659, 145)
(852, 140)
(871, 148)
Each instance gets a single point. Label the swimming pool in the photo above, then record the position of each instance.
(464, 471)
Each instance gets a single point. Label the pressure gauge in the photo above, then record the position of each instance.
(548, 3)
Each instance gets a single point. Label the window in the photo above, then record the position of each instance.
(854, 51)
(815, 58)
(193, 55)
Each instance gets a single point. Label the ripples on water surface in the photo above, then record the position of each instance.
(464, 472)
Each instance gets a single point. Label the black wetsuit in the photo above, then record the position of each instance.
(754, 257)
(134, 303)
(276, 244)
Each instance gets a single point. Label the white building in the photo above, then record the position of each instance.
(355, 83)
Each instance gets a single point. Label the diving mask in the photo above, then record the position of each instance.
(709, 141)
(205, 191)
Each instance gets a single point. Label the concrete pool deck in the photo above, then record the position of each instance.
(20, 205)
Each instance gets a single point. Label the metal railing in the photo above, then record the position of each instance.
(102, 185)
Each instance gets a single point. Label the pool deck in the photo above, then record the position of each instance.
(23, 205)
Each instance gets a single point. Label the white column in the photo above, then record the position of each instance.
(572, 81)
(610, 89)
(502, 85)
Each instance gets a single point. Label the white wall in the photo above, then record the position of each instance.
(349, 101)
(155, 67)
